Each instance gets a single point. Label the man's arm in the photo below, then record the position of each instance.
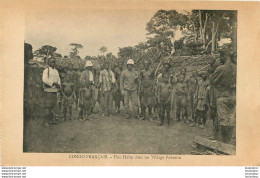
(59, 82)
(113, 77)
(82, 79)
(122, 78)
(159, 92)
(216, 77)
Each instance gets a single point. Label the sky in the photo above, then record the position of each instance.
(91, 28)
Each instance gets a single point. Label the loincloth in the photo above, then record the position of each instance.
(85, 97)
(226, 111)
(68, 100)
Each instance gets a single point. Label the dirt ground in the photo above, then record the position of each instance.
(113, 134)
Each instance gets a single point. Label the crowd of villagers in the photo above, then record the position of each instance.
(205, 94)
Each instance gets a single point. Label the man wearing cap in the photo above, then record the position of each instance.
(86, 86)
(107, 81)
(51, 85)
(128, 87)
(146, 89)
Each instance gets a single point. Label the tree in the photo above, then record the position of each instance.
(27, 52)
(75, 49)
(165, 24)
(46, 52)
(103, 49)
(126, 52)
(215, 24)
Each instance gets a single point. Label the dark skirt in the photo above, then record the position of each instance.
(50, 99)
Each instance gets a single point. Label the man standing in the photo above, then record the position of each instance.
(107, 80)
(51, 85)
(128, 87)
(146, 89)
(86, 92)
(224, 79)
(192, 83)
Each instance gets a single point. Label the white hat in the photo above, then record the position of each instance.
(130, 61)
(89, 64)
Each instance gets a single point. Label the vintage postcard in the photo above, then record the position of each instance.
(130, 83)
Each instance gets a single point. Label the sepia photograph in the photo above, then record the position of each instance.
(130, 82)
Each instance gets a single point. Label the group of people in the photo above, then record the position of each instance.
(211, 92)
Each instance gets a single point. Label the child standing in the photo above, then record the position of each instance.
(164, 97)
(181, 98)
(68, 96)
(201, 100)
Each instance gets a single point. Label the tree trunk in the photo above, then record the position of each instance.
(173, 46)
(213, 32)
(47, 58)
(204, 32)
(216, 47)
(201, 27)
(196, 36)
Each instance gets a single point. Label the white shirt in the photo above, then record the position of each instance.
(49, 76)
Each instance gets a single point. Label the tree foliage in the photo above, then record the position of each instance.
(103, 49)
(45, 52)
(75, 50)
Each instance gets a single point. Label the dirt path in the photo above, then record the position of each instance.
(111, 135)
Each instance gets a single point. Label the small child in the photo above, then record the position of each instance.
(181, 98)
(77, 83)
(201, 100)
(164, 98)
(68, 96)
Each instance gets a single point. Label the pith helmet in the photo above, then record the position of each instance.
(130, 61)
(89, 64)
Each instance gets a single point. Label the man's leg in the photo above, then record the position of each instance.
(80, 112)
(204, 113)
(161, 114)
(126, 101)
(226, 133)
(94, 98)
(77, 96)
(213, 116)
(185, 109)
(110, 102)
(142, 103)
(168, 110)
(141, 99)
(64, 113)
(70, 111)
(105, 103)
(134, 100)
(150, 112)
(178, 109)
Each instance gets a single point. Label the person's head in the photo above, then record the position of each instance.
(81, 68)
(179, 78)
(52, 62)
(210, 70)
(106, 65)
(167, 66)
(89, 65)
(67, 78)
(65, 69)
(225, 56)
(130, 64)
(195, 73)
(203, 75)
(146, 65)
(183, 71)
(70, 67)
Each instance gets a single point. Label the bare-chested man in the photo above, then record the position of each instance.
(146, 89)
(68, 96)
